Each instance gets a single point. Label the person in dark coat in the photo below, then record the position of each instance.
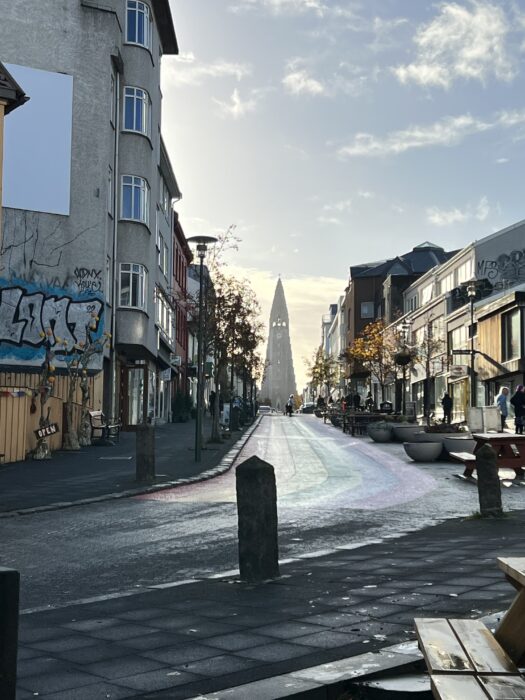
(357, 401)
(447, 404)
(518, 402)
(213, 396)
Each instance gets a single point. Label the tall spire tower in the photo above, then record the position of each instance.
(279, 377)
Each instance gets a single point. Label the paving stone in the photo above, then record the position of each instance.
(181, 654)
(239, 640)
(154, 641)
(157, 680)
(327, 639)
(61, 680)
(411, 599)
(64, 643)
(104, 691)
(331, 619)
(144, 614)
(27, 653)
(122, 631)
(221, 665)
(123, 666)
(98, 652)
(41, 664)
(92, 624)
(287, 630)
(28, 635)
(275, 652)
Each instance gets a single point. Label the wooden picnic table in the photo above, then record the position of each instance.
(510, 450)
(511, 631)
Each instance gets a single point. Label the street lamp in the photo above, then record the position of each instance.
(471, 293)
(202, 243)
(403, 358)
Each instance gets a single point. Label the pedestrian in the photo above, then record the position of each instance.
(370, 403)
(212, 402)
(330, 400)
(349, 399)
(447, 404)
(357, 401)
(320, 403)
(518, 401)
(503, 406)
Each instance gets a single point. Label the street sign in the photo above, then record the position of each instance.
(461, 352)
(50, 429)
(458, 371)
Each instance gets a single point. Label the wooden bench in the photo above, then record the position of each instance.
(104, 430)
(465, 662)
(466, 458)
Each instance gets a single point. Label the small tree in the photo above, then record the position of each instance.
(323, 370)
(429, 345)
(44, 391)
(375, 350)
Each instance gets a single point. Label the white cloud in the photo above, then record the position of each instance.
(501, 161)
(468, 41)
(342, 205)
(365, 194)
(187, 70)
(447, 217)
(329, 220)
(292, 7)
(298, 82)
(236, 107)
(448, 131)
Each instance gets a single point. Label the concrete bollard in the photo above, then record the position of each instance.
(9, 597)
(489, 487)
(257, 517)
(145, 452)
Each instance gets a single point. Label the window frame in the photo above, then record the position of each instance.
(507, 339)
(145, 110)
(144, 198)
(369, 315)
(140, 8)
(142, 276)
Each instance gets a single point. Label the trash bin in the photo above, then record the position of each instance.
(385, 407)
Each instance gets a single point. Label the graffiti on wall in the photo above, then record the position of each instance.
(504, 270)
(27, 314)
(88, 280)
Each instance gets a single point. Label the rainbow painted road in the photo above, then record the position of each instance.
(316, 465)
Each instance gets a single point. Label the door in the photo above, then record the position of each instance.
(134, 396)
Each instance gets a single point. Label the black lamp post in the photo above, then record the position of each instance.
(202, 243)
(471, 293)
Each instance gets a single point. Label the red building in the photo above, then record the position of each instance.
(182, 257)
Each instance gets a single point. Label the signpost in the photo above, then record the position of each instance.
(50, 429)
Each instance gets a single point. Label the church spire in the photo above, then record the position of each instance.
(279, 378)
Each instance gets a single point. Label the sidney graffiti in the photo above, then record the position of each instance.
(27, 315)
(88, 280)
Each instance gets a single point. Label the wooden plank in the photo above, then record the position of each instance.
(463, 456)
(484, 652)
(456, 687)
(441, 649)
(514, 568)
(503, 687)
(511, 631)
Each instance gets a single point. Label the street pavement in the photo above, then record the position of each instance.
(96, 472)
(195, 638)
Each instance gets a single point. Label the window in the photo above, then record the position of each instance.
(426, 294)
(165, 317)
(138, 23)
(164, 196)
(135, 198)
(464, 272)
(108, 280)
(137, 111)
(112, 98)
(447, 283)
(367, 309)
(165, 259)
(511, 335)
(411, 304)
(160, 250)
(110, 190)
(133, 279)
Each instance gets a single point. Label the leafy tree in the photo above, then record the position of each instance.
(429, 345)
(323, 370)
(374, 349)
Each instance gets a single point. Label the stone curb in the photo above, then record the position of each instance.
(224, 465)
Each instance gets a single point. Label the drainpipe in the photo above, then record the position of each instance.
(115, 280)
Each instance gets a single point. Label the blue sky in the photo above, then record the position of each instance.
(338, 132)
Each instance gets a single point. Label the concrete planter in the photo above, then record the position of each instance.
(458, 443)
(407, 433)
(380, 432)
(423, 451)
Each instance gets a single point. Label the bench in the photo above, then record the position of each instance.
(104, 430)
(466, 458)
(465, 661)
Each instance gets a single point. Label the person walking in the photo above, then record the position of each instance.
(503, 406)
(357, 401)
(447, 404)
(518, 401)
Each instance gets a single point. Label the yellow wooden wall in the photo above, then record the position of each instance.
(17, 423)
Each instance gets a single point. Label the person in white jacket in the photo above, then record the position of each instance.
(502, 403)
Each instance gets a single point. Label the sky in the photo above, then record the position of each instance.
(338, 132)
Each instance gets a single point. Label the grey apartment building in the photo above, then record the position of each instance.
(88, 192)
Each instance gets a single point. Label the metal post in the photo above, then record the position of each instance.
(471, 291)
(200, 393)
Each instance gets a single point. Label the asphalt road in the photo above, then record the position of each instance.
(333, 491)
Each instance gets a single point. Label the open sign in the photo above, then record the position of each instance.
(50, 429)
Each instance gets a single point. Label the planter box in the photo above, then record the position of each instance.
(379, 432)
(423, 451)
(457, 443)
(407, 433)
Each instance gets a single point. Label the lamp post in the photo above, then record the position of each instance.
(471, 293)
(202, 243)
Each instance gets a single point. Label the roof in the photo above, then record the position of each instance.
(420, 259)
(162, 11)
(10, 90)
(180, 236)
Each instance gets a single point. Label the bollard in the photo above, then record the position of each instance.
(489, 487)
(145, 452)
(257, 516)
(9, 596)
